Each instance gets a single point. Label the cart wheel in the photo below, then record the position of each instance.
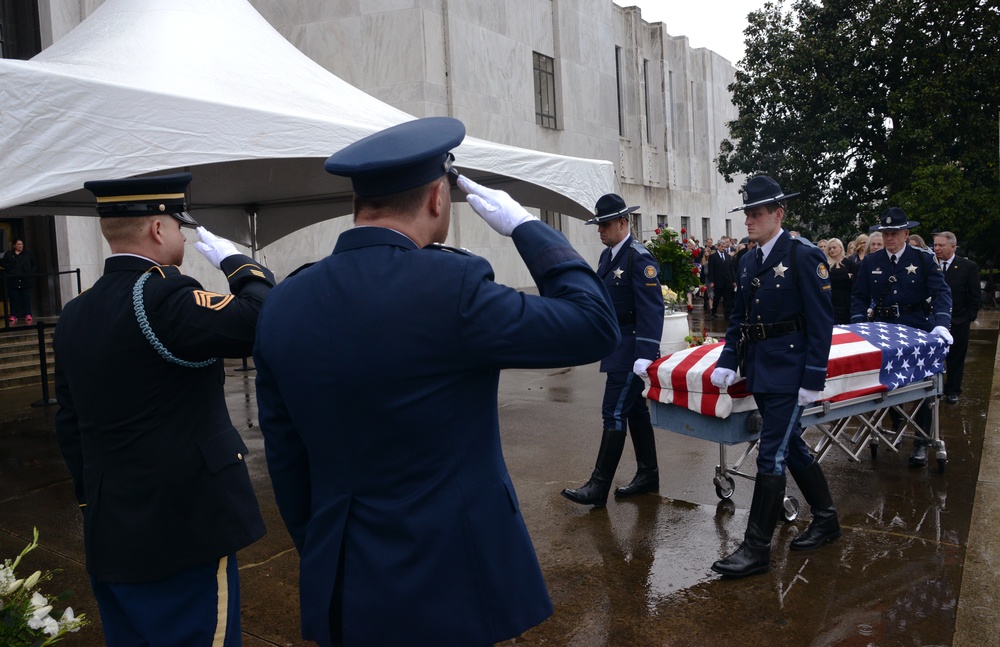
(941, 464)
(791, 511)
(873, 448)
(724, 486)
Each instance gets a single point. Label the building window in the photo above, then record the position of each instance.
(635, 224)
(19, 33)
(545, 90)
(729, 227)
(706, 229)
(618, 87)
(645, 90)
(552, 219)
(685, 226)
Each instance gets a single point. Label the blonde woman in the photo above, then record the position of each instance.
(842, 271)
(859, 248)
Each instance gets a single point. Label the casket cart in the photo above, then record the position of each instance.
(863, 386)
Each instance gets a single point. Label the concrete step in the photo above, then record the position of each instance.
(19, 362)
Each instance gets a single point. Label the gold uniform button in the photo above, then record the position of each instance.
(239, 456)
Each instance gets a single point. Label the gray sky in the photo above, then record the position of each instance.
(715, 24)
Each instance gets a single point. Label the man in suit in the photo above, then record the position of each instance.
(378, 404)
(722, 278)
(157, 467)
(962, 276)
(779, 339)
(904, 285)
(630, 273)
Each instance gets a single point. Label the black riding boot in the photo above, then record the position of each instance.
(647, 475)
(595, 491)
(754, 554)
(825, 526)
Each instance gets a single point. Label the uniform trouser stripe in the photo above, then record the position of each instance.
(222, 579)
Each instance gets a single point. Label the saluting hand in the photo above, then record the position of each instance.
(497, 208)
(214, 248)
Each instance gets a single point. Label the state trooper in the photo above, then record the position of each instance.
(783, 353)
(902, 284)
(629, 272)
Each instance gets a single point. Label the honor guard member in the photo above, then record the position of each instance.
(779, 339)
(157, 467)
(630, 273)
(379, 407)
(901, 284)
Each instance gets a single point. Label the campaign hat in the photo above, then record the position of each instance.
(893, 218)
(143, 196)
(609, 207)
(761, 190)
(399, 158)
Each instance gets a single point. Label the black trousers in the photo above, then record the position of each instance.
(955, 362)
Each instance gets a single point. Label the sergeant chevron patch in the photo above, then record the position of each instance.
(211, 300)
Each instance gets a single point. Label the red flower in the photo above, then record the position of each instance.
(657, 230)
(684, 230)
(695, 271)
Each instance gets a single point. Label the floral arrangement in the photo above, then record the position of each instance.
(677, 257)
(25, 618)
(694, 339)
(670, 298)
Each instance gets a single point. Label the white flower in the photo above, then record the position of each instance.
(32, 580)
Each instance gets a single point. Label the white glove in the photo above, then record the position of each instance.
(807, 397)
(499, 210)
(640, 367)
(723, 377)
(942, 332)
(215, 249)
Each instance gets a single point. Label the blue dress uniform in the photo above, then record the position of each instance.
(779, 337)
(379, 413)
(631, 278)
(158, 468)
(912, 292)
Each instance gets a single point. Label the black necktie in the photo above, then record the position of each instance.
(892, 259)
(944, 268)
(760, 257)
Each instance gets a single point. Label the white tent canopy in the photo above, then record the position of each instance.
(155, 86)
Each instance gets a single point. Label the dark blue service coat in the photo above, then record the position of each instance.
(915, 279)
(377, 374)
(631, 280)
(783, 364)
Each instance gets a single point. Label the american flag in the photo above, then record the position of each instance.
(864, 358)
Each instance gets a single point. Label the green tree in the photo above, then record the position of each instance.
(862, 105)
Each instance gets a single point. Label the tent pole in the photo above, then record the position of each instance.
(251, 211)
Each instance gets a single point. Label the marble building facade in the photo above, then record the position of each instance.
(613, 87)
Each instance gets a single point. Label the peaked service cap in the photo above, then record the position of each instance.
(399, 158)
(143, 196)
(893, 218)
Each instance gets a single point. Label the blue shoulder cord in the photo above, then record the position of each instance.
(147, 330)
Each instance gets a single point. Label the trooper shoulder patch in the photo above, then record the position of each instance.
(211, 300)
(822, 272)
(650, 272)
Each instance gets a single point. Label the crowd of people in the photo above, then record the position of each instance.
(405, 503)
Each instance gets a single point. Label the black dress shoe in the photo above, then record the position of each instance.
(951, 398)
(919, 456)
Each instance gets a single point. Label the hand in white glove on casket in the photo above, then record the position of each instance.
(215, 249)
(499, 210)
(641, 367)
(723, 377)
(942, 332)
(807, 397)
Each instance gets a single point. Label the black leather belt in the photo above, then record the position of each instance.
(756, 332)
(894, 311)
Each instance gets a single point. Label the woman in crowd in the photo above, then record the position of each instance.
(860, 243)
(914, 240)
(874, 243)
(842, 271)
(19, 265)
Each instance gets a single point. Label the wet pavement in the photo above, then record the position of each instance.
(914, 567)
